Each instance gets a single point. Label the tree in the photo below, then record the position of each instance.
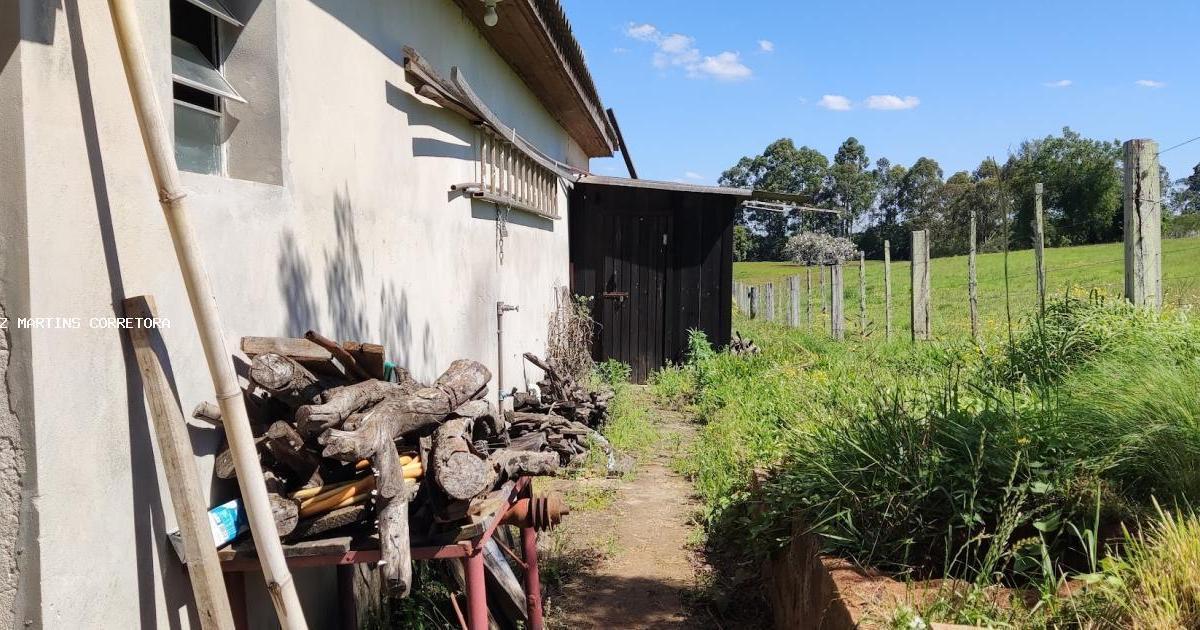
(820, 248)
(885, 216)
(1082, 197)
(1184, 197)
(920, 193)
(742, 242)
(780, 168)
(852, 186)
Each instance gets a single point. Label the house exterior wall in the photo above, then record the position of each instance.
(358, 237)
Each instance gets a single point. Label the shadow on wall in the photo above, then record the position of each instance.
(149, 530)
(347, 307)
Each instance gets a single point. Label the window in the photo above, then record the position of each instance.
(199, 86)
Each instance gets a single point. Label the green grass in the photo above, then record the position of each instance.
(1089, 267)
(995, 465)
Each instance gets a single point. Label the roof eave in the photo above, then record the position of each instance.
(551, 66)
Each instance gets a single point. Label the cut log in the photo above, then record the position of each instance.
(397, 414)
(223, 464)
(510, 464)
(286, 380)
(533, 441)
(340, 402)
(286, 512)
(287, 447)
(455, 467)
(208, 412)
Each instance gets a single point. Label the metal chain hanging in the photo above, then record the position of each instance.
(501, 229)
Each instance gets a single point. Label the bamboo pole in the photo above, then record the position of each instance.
(160, 149)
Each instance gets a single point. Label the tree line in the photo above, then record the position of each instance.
(886, 201)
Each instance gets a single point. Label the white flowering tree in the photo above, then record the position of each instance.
(817, 248)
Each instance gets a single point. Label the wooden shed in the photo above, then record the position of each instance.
(657, 260)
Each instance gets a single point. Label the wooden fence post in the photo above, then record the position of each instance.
(1039, 246)
(794, 301)
(808, 297)
(753, 302)
(837, 322)
(972, 285)
(770, 301)
(862, 294)
(1143, 224)
(920, 285)
(887, 290)
(824, 293)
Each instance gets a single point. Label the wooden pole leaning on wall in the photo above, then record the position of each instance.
(161, 152)
(920, 285)
(837, 320)
(972, 284)
(1039, 245)
(862, 295)
(183, 480)
(887, 290)
(1143, 224)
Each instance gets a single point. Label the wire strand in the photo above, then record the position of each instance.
(1185, 142)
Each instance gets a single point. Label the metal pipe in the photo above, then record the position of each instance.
(501, 307)
(533, 582)
(161, 153)
(477, 610)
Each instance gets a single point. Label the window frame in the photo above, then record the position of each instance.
(218, 14)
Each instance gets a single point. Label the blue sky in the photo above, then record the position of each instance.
(698, 84)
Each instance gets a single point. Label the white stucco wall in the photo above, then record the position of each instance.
(362, 241)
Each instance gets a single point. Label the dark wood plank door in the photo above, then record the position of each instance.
(632, 290)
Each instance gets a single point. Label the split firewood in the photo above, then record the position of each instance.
(286, 380)
(532, 441)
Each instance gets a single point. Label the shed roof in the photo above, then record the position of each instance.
(535, 38)
(790, 199)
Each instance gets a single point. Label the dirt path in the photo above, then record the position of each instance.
(645, 567)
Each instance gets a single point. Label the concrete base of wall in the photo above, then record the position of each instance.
(808, 591)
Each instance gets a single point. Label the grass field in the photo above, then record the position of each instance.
(1086, 267)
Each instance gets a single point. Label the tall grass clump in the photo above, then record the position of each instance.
(939, 459)
(1158, 575)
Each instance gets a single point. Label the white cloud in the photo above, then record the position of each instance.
(692, 175)
(835, 102)
(891, 102)
(766, 45)
(620, 51)
(1061, 83)
(1150, 83)
(678, 50)
(643, 32)
(724, 67)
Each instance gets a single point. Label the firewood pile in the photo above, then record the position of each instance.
(740, 345)
(564, 418)
(341, 446)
